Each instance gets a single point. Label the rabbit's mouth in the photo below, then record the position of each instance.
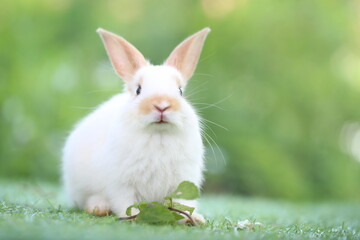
(162, 118)
(161, 122)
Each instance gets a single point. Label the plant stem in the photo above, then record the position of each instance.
(184, 213)
(127, 218)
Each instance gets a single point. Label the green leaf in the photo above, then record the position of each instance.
(128, 210)
(179, 206)
(185, 190)
(177, 216)
(144, 204)
(140, 205)
(183, 207)
(156, 214)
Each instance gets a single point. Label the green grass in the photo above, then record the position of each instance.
(38, 211)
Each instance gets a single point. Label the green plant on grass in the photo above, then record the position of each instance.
(167, 212)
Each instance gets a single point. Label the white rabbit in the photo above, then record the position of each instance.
(142, 143)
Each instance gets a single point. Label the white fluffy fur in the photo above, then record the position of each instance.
(116, 155)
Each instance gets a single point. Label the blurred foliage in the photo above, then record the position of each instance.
(282, 76)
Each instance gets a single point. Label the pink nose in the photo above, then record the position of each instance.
(161, 109)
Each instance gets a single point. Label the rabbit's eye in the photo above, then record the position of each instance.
(180, 90)
(138, 90)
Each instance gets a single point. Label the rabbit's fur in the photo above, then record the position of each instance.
(142, 143)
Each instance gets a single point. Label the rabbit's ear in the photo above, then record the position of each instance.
(125, 58)
(186, 55)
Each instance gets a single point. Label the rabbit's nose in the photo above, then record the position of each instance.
(162, 108)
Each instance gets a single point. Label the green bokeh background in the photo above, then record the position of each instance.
(283, 77)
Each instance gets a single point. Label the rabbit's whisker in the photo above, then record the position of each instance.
(216, 124)
(208, 105)
(206, 135)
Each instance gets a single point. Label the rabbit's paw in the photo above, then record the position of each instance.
(198, 219)
(98, 206)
